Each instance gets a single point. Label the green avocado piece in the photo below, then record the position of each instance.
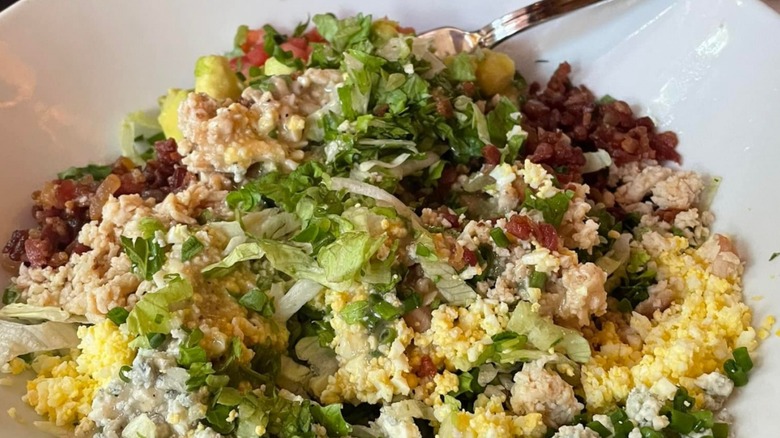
(273, 67)
(169, 113)
(214, 77)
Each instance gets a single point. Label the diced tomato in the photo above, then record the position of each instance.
(314, 37)
(298, 52)
(299, 42)
(253, 38)
(256, 56)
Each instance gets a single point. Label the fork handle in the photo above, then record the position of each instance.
(527, 17)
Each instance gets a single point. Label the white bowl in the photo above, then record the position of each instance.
(708, 69)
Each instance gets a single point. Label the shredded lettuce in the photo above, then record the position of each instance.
(462, 67)
(451, 287)
(47, 313)
(361, 188)
(344, 258)
(292, 375)
(136, 126)
(544, 334)
(271, 223)
(471, 133)
(330, 416)
(17, 339)
(552, 208)
(241, 253)
(507, 348)
(595, 161)
(233, 231)
(278, 415)
(501, 120)
(617, 256)
(505, 131)
(711, 186)
(322, 360)
(152, 313)
(301, 293)
(346, 33)
(292, 260)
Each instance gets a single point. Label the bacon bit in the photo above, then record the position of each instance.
(448, 176)
(427, 368)
(167, 152)
(381, 109)
(491, 154)
(547, 236)
(449, 216)
(443, 106)
(468, 88)
(78, 248)
(15, 246)
(470, 257)
(62, 207)
(521, 226)
(668, 215)
(38, 251)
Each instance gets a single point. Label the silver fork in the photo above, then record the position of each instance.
(450, 40)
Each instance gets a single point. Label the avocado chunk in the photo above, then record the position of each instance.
(169, 113)
(214, 77)
(274, 67)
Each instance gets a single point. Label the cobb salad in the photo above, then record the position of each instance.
(336, 233)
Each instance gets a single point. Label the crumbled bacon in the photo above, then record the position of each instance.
(668, 215)
(427, 368)
(521, 226)
(62, 207)
(547, 236)
(443, 106)
(524, 228)
(563, 120)
(491, 154)
(14, 248)
(449, 216)
(469, 257)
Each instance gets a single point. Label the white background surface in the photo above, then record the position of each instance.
(708, 69)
